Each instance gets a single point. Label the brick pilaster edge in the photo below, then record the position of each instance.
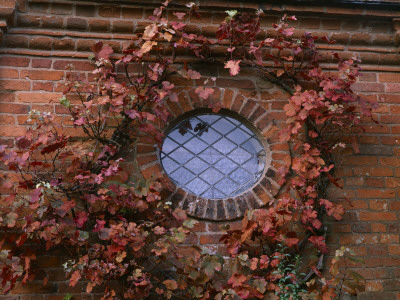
(396, 31)
(7, 9)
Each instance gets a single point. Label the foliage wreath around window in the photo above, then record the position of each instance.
(217, 161)
(118, 232)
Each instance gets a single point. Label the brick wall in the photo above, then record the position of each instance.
(41, 38)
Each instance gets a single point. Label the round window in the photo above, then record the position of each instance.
(214, 156)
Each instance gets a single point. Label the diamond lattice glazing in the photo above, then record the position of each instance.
(213, 156)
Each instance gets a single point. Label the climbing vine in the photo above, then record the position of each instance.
(119, 234)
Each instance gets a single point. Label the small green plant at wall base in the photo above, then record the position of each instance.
(116, 226)
(288, 272)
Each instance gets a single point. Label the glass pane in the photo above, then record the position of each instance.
(213, 156)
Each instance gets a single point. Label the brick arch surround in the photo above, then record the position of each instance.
(260, 194)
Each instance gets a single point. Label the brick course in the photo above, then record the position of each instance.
(44, 38)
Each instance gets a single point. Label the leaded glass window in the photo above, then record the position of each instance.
(214, 156)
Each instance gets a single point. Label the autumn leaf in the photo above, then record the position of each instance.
(233, 66)
(329, 294)
(180, 15)
(237, 279)
(210, 265)
(167, 36)
(179, 214)
(193, 74)
(319, 242)
(150, 31)
(147, 46)
(76, 275)
(170, 284)
(204, 93)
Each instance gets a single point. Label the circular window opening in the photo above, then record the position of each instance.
(214, 156)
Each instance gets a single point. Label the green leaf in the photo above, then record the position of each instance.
(231, 13)
(83, 235)
(210, 265)
(65, 102)
(67, 297)
(189, 223)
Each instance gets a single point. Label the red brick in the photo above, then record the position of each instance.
(8, 73)
(375, 193)
(14, 108)
(310, 23)
(85, 10)
(41, 63)
(77, 65)
(122, 26)
(99, 25)
(61, 9)
(368, 87)
(7, 97)
(43, 43)
(12, 130)
(241, 84)
(110, 11)
(63, 44)
(378, 205)
(77, 24)
(210, 239)
(52, 22)
(17, 42)
(7, 120)
(371, 77)
(340, 37)
(16, 85)
(393, 88)
(45, 86)
(377, 216)
(14, 61)
(28, 21)
(360, 38)
(389, 77)
(332, 24)
(394, 249)
(42, 75)
(132, 13)
(40, 7)
(39, 97)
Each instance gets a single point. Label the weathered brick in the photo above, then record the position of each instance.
(44, 43)
(110, 11)
(28, 21)
(61, 9)
(85, 10)
(52, 22)
(77, 24)
(99, 25)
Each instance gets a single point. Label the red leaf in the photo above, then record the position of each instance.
(193, 74)
(233, 66)
(319, 242)
(74, 278)
(237, 279)
(102, 50)
(180, 15)
(204, 92)
(80, 219)
(179, 214)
